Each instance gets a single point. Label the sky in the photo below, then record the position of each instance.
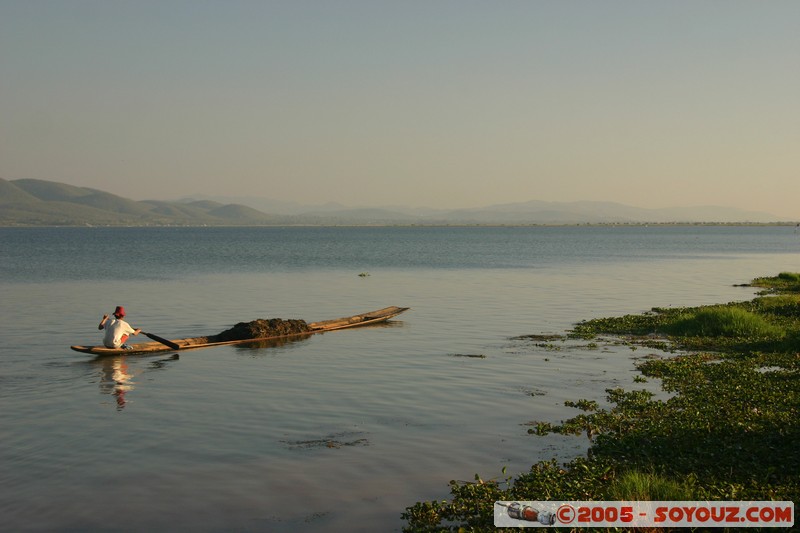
(440, 103)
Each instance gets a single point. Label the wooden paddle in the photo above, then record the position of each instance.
(163, 341)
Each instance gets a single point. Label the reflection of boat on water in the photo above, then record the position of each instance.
(372, 317)
(272, 343)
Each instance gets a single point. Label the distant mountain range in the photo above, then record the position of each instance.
(31, 202)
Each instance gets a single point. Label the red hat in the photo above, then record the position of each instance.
(119, 311)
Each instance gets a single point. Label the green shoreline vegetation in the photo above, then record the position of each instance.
(729, 431)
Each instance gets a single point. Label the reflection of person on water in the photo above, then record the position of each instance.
(116, 379)
(117, 330)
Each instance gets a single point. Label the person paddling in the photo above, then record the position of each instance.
(117, 330)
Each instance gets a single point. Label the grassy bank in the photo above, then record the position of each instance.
(729, 431)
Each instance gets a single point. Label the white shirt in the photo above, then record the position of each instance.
(115, 329)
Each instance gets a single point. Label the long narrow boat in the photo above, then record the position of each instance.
(372, 317)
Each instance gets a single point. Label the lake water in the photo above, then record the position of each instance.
(339, 431)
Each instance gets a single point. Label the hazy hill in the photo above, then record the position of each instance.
(603, 212)
(11, 194)
(531, 212)
(40, 202)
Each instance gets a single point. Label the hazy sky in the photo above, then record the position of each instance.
(422, 103)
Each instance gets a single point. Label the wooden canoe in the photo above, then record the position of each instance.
(372, 317)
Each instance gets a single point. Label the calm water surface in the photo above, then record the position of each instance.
(340, 431)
